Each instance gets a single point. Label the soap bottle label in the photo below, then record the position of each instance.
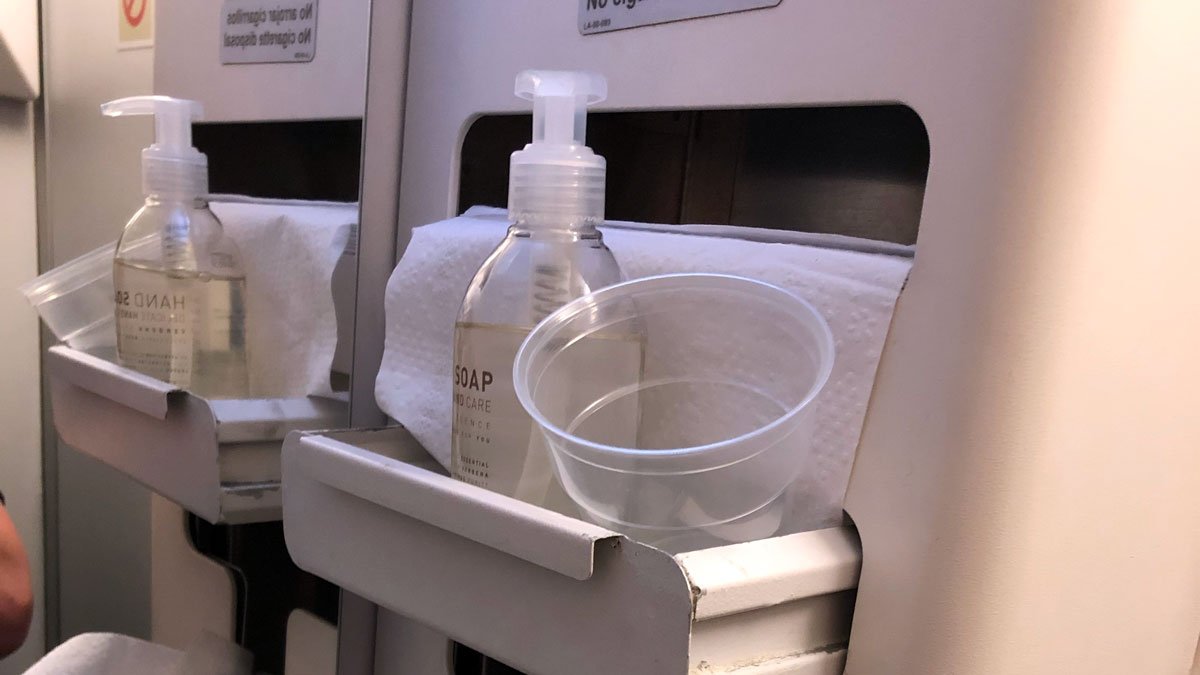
(154, 327)
(491, 431)
(497, 445)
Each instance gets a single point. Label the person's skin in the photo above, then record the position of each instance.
(16, 594)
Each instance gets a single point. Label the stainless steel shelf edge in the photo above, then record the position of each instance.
(121, 385)
(217, 459)
(509, 579)
(271, 419)
(549, 540)
(742, 577)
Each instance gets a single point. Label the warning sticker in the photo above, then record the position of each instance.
(135, 24)
(601, 16)
(257, 31)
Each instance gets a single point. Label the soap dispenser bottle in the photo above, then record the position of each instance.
(552, 254)
(180, 285)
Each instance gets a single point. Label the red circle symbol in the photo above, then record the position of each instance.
(134, 19)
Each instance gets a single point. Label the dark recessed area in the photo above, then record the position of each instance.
(283, 160)
(852, 170)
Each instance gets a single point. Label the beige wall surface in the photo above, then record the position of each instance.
(92, 185)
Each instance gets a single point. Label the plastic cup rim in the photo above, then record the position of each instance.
(70, 277)
(678, 529)
(548, 327)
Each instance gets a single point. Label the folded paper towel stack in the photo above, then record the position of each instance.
(855, 290)
(289, 249)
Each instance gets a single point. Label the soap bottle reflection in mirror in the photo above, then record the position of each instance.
(179, 280)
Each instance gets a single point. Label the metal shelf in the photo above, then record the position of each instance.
(548, 594)
(218, 459)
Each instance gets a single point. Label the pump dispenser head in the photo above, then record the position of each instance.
(556, 179)
(171, 166)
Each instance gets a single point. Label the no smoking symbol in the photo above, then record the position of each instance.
(134, 19)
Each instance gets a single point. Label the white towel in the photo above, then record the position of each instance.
(289, 249)
(854, 290)
(112, 654)
(209, 654)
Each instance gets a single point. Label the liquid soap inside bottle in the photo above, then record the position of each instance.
(533, 272)
(552, 254)
(179, 281)
(181, 311)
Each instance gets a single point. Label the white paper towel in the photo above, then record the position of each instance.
(289, 249)
(854, 290)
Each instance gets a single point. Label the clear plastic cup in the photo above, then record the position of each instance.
(75, 300)
(678, 408)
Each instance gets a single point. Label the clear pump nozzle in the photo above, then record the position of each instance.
(560, 99)
(171, 166)
(556, 177)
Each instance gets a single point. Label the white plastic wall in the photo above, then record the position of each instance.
(331, 86)
(1027, 483)
(1029, 464)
